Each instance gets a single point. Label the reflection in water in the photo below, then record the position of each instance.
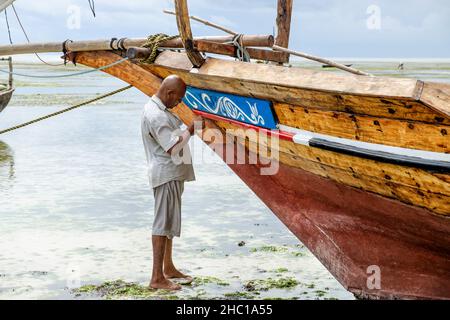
(6, 163)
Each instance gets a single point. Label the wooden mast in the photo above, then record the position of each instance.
(10, 78)
(184, 27)
(284, 15)
(206, 22)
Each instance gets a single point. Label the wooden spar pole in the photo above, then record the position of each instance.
(217, 48)
(5, 4)
(230, 50)
(184, 28)
(321, 60)
(10, 78)
(206, 22)
(101, 45)
(284, 15)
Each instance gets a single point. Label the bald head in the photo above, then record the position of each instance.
(171, 91)
(173, 82)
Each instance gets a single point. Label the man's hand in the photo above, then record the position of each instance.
(197, 124)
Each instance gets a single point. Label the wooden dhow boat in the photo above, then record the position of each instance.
(6, 89)
(363, 175)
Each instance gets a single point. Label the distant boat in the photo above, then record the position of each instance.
(328, 66)
(6, 89)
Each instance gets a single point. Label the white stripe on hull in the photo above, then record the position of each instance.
(303, 137)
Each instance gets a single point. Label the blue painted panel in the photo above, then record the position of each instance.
(252, 111)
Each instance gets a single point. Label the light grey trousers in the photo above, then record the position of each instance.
(167, 221)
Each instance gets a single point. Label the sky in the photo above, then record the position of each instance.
(328, 28)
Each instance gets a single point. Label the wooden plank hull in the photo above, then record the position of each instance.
(5, 97)
(352, 213)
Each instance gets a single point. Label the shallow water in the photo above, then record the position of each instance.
(76, 208)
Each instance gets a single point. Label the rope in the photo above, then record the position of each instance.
(28, 39)
(242, 53)
(153, 42)
(64, 50)
(65, 75)
(92, 6)
(65, 110)
(111, 43)
(7, 25)
(120, 44)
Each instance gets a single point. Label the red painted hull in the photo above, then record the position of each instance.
(349, 230)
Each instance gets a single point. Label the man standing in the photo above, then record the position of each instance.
(164, 143)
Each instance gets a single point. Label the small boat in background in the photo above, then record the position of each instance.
(6, 89)
(325, 66)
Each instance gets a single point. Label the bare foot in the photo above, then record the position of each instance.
(175, 274)
(164, 284)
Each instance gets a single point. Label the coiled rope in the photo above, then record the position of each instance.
(153, 43)
(241, 52)
(65, 110)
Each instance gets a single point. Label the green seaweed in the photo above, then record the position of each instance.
(311, 286)
(320, 293)
(278, 298)
(298, 254)
(241, 295)
(203, 280)
(120, 289)
(87, 289)
(200, 294)
(270, 283)
(281, 270)
(279, 249)
(35, 100)
(269, 249)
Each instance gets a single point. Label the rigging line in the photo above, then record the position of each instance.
(92, 6)
(54, 114)
(7, 25)
(28, 39)
(67, 74)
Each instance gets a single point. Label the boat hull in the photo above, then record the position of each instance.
(5, 97)
(353, 233)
